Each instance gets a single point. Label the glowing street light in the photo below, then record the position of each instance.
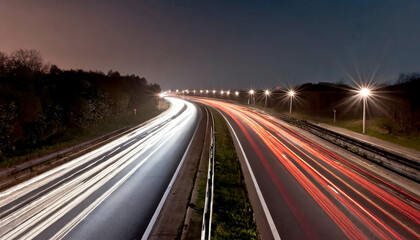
(364, 93)
(291, 94)
(201, 91)
(177, 91)
(214, 93)
(160, 97)
(227, 94)
(251, 95)
(194, 92)
(236, 95)
(266, 93)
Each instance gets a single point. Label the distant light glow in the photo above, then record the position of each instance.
(214, 91)
(292, 93)
(251, 92)
(228, 92)
(266, 92)
(364, 92)
(237, 93)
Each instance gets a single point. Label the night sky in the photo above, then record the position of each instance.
(220, 44)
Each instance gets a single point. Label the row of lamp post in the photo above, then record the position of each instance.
(363, 92)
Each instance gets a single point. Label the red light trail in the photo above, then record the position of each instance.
(361, 204)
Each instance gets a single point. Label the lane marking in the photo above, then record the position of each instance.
(165, 195)
(130, 142)
(259, 193)
(333, 189)
(113, 151)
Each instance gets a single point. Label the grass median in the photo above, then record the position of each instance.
(233, 217)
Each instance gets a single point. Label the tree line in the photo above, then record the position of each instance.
(39, 102)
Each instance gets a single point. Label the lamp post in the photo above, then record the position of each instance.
(291, 94)
(251, 95)
(266, 92)
(364, 93)
(236, 95)
(214, 93)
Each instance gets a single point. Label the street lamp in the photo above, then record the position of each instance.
(194, 92)
(364, 93)
(214, 93)
(266, 92)
(291, 94)
(227, 94)
(251, 95)
(236, 95)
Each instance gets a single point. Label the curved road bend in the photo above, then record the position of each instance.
(109, 193)
(312, 193)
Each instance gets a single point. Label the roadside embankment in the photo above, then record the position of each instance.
(22, 168)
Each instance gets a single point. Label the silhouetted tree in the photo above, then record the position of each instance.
(38, 104)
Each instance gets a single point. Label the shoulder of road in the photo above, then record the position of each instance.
(391, 147)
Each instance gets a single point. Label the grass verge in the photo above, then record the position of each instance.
(75, 136)
(378, 128)
(233, 217)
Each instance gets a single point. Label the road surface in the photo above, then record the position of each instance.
(308, 192)
(114, 192)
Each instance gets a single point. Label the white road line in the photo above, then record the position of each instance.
(165, 195)
(113, 151)
(260, 196)
(129, 142)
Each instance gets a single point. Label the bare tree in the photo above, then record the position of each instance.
(3, 59)
(25, 59)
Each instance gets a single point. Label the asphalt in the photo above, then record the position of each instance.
(110, 193)
(311, 192)
(170, 222)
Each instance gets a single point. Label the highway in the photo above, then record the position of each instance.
(308, 192)
(113, 192)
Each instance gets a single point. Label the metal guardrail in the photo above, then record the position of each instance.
(21, 171)
(208, 202)
(393, 161)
